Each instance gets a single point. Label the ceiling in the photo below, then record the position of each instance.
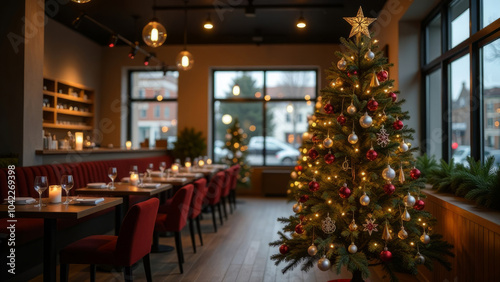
(273, 23)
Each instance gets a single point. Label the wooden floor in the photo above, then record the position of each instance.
(239, 251)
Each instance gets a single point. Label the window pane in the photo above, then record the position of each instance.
(284, 136)
(433, 33)
(250, 116)
(435, 116)
(151, 84)
(459, 15)
(460, 109)
(491, 99)
(249, 82)
(147, 124)
(490, 12)
(291, 84)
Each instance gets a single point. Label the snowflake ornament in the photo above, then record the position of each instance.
(383, 137)
(370, 225)
(328, 225)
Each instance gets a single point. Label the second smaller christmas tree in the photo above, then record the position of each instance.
(236, 144)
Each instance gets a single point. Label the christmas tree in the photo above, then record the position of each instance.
(352, 209)
(236, 144)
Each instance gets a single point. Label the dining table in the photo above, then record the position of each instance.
(50, 213)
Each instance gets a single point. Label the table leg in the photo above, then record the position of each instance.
(49, 249)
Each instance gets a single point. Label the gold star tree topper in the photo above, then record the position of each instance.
(359, 24)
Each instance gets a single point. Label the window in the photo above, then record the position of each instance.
(465, 111)
(145, 107)
(269, 108)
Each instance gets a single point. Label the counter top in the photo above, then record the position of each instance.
(99, 151)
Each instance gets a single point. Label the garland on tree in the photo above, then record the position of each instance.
(237, 144)
(356, 190)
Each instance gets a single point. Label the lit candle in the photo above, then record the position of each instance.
(78, 141)
(134, 178)
(175, 168)
(128, 145)
(201, 163)
(55, 192)
(187, 165)
(209, 161)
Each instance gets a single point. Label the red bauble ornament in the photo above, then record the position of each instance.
(284, 249)
(393, 96)
(329, 158)
(341, 119)
(415, 173)
(398, 125)
(385, 255)
(351, 73)
(315, 139)
(299, 229)
(298, 168)
(372, 105)
(345, 192)
(389, 188)
(328, 108)
(303, 198)
(371, 154)
(382, 75)
(419, 205)
(302, 218)
(313, 154)
(313, 186)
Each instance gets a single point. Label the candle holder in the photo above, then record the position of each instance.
(78, 141)
(55, 194)
(128, 145)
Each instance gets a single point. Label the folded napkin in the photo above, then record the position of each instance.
(97, 185)
(88, 201)
(150, 185)
(22, 200)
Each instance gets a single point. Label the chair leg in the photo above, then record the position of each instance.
(223, 200)
(92, 272)
(127, 272)
(178, 246)
(191, 231)
(229, 201)
(147, 267)
(220, 212)
(213, 217)
(64, 271)
(199, 229)
(233, 192)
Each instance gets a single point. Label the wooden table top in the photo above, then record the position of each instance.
(72, 211)
(124, 189)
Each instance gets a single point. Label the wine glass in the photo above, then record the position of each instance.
(163, 166)
(112, 173)
(40, 186)
(67, 183)
(150, 169)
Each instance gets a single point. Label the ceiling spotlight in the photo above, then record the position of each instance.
(146, 60)
(112, 41)
(133, 51)
(301, 22)
(250, 10)
(154, 33)
(208, 23)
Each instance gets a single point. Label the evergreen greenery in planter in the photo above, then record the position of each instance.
(190, 143)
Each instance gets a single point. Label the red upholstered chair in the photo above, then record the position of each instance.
(200, 190)
(226, 189)
(173, 218)
(234, 182)
(132, 244)
(213, 195)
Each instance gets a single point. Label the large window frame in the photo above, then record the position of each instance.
(236, 99)
(479, 37)
(142, 99)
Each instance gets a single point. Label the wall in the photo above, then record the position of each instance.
(194, 85)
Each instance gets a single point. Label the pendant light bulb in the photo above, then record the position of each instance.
(301, 22)
(184, 60)
(154, 33)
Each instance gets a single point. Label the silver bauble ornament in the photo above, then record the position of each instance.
(364, 200)
(403, 146)
(293, 175)
(342, 64)
(312, 250)
(388, 173)
(352, 248)
(328, 142)
(406, 215)
(297, 207)
(352, 138)
(402, 234)
(228, 136)
(351, 109)
(425, 238)
(369, 55)
(366, 121)
(324, 264)
(419, 259)
(409, 200)
(239, 154)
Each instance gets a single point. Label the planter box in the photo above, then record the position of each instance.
(475, 233)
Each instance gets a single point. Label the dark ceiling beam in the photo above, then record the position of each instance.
(225, 6)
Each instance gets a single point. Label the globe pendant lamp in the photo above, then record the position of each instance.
(184, 60)
(154, 33)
